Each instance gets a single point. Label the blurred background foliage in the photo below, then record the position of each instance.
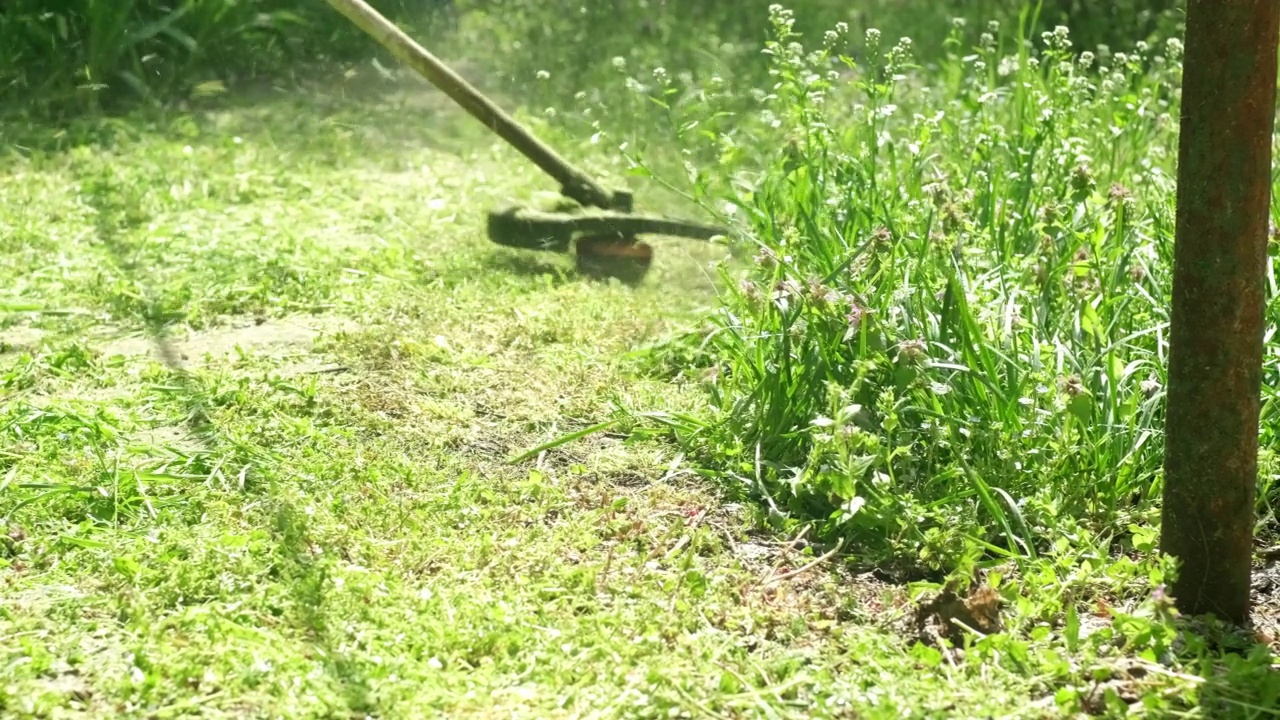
(67, 56)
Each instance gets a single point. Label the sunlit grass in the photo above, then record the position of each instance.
(262, 380)
(262, 376)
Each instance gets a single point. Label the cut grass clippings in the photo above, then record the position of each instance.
(207, 515)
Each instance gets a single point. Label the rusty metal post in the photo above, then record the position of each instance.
(1215, 342)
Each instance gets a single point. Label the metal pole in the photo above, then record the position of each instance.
(1215, 342)
(574, 182)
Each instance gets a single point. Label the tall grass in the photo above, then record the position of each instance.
(570, 60)
(950, 343)
(69, 55)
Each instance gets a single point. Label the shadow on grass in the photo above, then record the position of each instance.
(307, 576)
(304, 571)
(111, 208)
(533, 264)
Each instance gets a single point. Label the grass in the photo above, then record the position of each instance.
(74, 56)
(310, 513)
(947, 359)
(963, 346)
(949, 354)
(265, 386)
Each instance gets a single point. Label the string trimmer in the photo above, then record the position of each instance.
(598, 225)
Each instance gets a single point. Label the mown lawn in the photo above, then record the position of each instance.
(262, 377)
(280, 429)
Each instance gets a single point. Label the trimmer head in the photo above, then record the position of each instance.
(605, 243)
(606, 240)
(604, 256)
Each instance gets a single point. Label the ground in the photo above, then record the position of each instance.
(263, 382)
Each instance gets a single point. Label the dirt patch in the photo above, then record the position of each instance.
(949, 615)
(1266, 603)
(20, 339)
(165, 436)
(275, 338)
